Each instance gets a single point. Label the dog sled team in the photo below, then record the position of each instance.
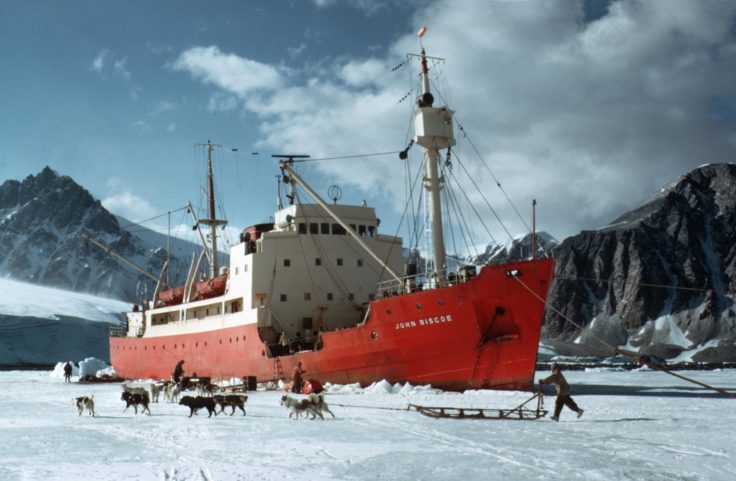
(207, 397)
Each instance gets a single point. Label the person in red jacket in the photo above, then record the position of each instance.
(296, 378)
(563, 392)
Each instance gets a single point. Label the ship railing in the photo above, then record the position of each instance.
(423, 282)
(119, 330)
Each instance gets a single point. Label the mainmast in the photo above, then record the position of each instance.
(433, 128)
(212, 221)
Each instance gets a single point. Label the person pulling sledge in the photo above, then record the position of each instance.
(563, 392)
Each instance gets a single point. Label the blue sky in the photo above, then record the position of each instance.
(588, 106)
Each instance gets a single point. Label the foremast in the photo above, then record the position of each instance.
(212, 220)
(433, 128)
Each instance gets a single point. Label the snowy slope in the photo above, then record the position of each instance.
(40, 325)
(21, 299)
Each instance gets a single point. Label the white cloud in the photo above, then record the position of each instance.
(98, 64)
(104, 64)
(228, 71)
(294, 52)
(142, 125)
(120, 68)
(589, 118)
(222, 102)
(128, 205)
(363, 73)
(135, 93)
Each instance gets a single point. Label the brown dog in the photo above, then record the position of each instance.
(232, 400)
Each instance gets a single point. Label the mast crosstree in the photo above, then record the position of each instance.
(433, 128)
(212, 220)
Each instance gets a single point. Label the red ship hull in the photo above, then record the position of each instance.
(483, 333)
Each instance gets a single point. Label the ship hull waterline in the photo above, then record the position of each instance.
(483, 333)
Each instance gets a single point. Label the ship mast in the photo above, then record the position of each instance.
(212, 221)
(433, 128)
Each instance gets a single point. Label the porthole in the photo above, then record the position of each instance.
(419, 306)
(374, 335)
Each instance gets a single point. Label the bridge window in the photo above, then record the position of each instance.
(329, 296)
(287, 262)
(313, 228)
(360, 262)
(307, 296)
(361, 230)
(337, 229)
(283, 297)
(302, 228)
(339, 261)
(324, 228)
(317, 261)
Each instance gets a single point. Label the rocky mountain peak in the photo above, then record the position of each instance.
(667, 265)
(41, 221)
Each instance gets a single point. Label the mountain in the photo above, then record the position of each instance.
(41, 222)
(516, 249)
(660, 278)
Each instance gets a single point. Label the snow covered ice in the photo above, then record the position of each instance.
(639, 425)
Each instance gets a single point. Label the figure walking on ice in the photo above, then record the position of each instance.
(563, 392)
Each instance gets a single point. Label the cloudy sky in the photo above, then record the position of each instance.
(589, 106)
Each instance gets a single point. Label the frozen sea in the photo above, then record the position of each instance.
(638, 425)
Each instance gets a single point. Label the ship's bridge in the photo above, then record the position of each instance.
(313, 219)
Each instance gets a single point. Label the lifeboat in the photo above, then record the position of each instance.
(211, 287)
(171, 297)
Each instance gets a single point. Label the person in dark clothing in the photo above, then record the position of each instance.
(68, 372)
(563, 392)
(178, 372)
(296, 378)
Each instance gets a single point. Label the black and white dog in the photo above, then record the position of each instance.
(136, 399)
(85, 402)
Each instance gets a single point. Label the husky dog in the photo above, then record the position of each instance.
(135, 400)
(133, 389)
(172, 392)
(232, 400)
(307, 406)
(156, 388)
(85, 402)
(320, 403)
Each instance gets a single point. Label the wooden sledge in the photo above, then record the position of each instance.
(519, 413)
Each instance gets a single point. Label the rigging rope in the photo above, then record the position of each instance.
(643, 284)
(640, 359)
(140, 222)
(356, 156)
